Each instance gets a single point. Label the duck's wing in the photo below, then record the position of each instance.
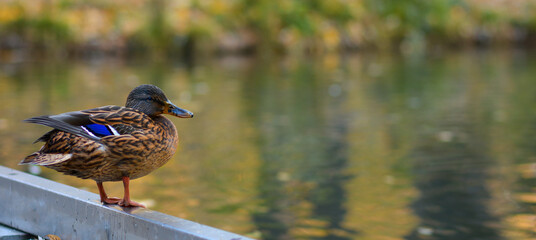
(93, 123)
(70, 122)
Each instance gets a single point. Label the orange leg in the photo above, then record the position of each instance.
(126, 202)
(104, 198)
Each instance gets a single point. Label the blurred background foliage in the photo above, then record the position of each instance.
(171, 28)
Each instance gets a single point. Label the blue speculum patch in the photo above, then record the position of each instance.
(99, 130)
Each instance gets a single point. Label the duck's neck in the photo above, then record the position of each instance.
(170, 132)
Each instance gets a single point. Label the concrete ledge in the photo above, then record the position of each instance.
(39, 206)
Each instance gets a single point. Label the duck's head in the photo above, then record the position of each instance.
(152, 101)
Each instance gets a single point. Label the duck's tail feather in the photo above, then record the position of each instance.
(45, 159)
(56, 123)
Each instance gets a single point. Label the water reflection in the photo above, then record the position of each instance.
(452, 175)
(360, 147)
(303, 156)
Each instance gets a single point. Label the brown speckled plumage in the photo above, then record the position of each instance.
(144, 140)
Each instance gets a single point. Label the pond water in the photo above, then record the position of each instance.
(337, 147)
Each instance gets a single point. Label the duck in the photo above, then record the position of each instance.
(111, 143)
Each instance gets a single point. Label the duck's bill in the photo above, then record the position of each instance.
(177, 111)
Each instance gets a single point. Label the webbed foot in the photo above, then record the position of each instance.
(130, 203)
(112, 200)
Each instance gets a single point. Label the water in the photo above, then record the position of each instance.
(335, 147)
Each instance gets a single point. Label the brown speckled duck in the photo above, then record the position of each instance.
(111, 143)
